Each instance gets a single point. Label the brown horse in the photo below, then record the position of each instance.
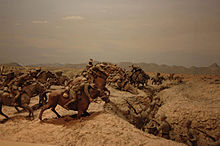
(36, 89)
(139, 77)
(23, 102)
(81, 104)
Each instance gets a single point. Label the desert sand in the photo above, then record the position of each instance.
(196, 99)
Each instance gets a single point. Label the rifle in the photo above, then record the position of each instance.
(209, 136)
(132, 107)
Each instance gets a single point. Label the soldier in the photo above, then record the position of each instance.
(164, 127)
(84, 74)
(157, 80)
(9, 76)
(134, 68)
(154, 106)
(101, 67)
(17, 96)
(217, 142)
(171, 77)
(97, 71)
(1, 69)
(191, 138)
(74, 90)
(6, 92)
(151, 127)
(158, 74)
(90, 64)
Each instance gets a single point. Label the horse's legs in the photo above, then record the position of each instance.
(43, 98)
(86, 113)
(79, 114)
(30, 110)
(47, 106)
(146, 82)
(2, 112)
(53, 109)
(16, 107)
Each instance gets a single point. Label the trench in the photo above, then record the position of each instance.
(141, 112)
(137, 110)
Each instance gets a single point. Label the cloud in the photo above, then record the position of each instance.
(39, 22)
(72, 18)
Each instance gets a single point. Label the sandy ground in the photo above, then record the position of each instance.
(197, 99)
(100, 128)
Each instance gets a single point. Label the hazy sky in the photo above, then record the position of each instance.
(173, 32)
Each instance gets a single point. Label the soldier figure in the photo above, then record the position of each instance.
(1, 69)
(151, 127)
(153, 107)
(158, 74)
(74, 90)
(171, 77)
(100, 67)
(135, 68)
(19, 93)
(164, 127)
(90, 64)
(97, 71)
(191, 134)
(6, 92)
(84, 74)
(217, 142)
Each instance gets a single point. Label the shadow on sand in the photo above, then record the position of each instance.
(15, 118)
(69, 120)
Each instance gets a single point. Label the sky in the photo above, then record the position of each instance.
(172, 32)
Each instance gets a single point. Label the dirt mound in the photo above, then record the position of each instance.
(100, 128)
(196, 100)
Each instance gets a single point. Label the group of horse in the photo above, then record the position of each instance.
(55, 98)
(32, 82)
(128, 80)
(136, 78)
(82, 103)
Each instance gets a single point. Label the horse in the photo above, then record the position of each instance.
(23, 101)
(81, 104)
(139, 77)
(43, 76)
(36, 89)
(157, 80)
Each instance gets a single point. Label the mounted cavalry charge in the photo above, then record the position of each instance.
(18, 87)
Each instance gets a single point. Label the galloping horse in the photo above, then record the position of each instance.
(81, 104)
(23, 102)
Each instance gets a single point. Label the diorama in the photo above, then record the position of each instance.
(110, 72)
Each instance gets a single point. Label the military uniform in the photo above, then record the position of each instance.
(171, 77)
(190, 135)
(216, 143)
(151, 127)
(17, 96)
(89, 65)
(164, 127)
(75, 90)
(6, 92)
(97, 71)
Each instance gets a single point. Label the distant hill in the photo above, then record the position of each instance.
(152, 67)
(12, 64)
(148, 67)
(82, 65)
